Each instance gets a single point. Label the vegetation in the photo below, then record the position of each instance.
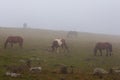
(81, 57)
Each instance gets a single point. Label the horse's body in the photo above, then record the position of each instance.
(103, 46)
(13, 40)
(57, 43)
(72, 34)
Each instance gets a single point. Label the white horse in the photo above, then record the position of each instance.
(57, 43)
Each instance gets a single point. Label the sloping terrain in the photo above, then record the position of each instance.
(37, 42)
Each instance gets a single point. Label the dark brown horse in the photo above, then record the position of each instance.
(13, 40)
(57, 43)
(103, 46)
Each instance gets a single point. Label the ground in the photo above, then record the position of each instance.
(36, 45)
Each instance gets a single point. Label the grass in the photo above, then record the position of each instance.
(36, 43)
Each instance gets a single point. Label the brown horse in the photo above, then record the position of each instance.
(103, 46)
(72, 34)
(13, 40)
(57, 43)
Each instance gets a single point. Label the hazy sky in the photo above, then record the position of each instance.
(98, 16)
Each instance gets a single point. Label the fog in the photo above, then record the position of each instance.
(96, 16)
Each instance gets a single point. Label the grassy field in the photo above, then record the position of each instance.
(36, 43)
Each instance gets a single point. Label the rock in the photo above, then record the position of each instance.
(64, 70)
(115, 70)
(12, 74)
(98, 71)
(36, 69)
(23, 61)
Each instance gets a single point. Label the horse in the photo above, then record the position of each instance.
(103, 46)
(57, 43)
(13, 40)
(72, 34)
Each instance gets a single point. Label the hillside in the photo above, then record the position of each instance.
(38, 41)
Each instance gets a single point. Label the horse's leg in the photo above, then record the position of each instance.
(20, 44)
(11, 44)
(62, 47)
(110, 53)
(55, 49)
(100, 52)
(106, 52)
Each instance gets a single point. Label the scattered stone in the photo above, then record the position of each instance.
(114, 70)
(23, 61)
(64, 70)
(62, 78)
(36, 69)
(12, 74)
(98, 71)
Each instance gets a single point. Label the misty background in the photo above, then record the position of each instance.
(96, 16)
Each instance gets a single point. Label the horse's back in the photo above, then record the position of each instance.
(58, 41)
(107, 43)
(100, 45)
(15, 39)
(103, 45)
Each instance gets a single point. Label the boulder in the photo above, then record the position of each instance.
(98, 71)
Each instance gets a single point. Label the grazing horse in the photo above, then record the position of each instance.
(72, 34)
(103, 46)
(13, 40)
(57, 43)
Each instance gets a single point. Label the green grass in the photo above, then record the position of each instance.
(36, 43)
